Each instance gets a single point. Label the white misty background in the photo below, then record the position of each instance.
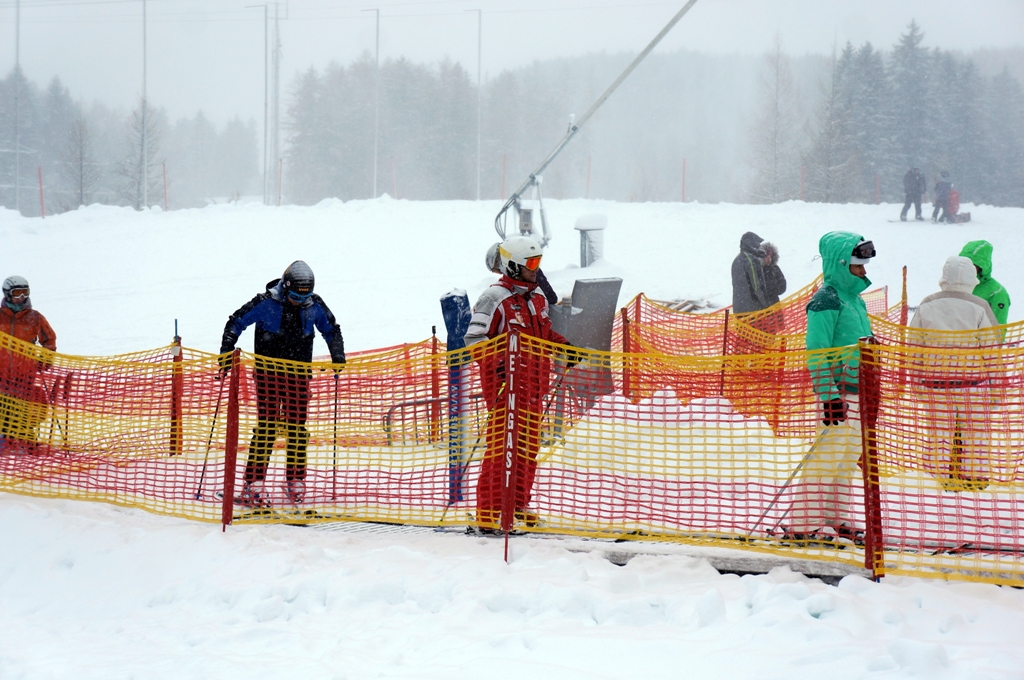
(831, 128)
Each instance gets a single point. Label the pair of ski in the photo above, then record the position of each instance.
(294, 515)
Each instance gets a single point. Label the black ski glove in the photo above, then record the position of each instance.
(835, 412)
(339, 363)
(224, 361)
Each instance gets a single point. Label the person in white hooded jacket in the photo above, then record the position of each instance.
(953, 397)
(955, 307)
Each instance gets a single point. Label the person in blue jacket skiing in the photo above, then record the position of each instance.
(285, 317)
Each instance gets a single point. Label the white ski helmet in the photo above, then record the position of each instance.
(13, 283)
(518, 253)
(492, 260)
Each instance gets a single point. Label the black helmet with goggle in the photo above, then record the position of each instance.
(297, 281)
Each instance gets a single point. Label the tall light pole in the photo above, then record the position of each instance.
(145, 105)
(17, 92)
(479, 52)
(376, 100)
(275, 137)
(266, 89)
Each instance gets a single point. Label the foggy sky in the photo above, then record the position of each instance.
(209, 54)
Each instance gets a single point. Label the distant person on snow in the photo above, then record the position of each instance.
(17, 371)
(837, 319)
(757, 280)
(914, 186)
(515, 301)
(493, 260)
(942, 188)
(988, 289)
(953, 391)
(286, 316)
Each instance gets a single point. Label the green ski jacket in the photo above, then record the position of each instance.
(988, 289)
(837, 318)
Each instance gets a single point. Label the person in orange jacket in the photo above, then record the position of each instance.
(18, 370)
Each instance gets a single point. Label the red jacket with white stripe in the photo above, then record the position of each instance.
(505, 305)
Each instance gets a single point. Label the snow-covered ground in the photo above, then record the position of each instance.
(91, 591)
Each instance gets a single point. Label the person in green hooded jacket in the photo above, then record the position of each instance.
(988, 289)
(825, 506)
(837, 318)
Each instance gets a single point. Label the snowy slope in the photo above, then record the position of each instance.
(91, 591)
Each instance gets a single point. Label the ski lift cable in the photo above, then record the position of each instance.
(500, 219)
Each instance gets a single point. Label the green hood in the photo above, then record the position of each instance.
(980, 253)
(835, 249)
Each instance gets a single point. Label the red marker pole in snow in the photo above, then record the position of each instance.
(683, 194)
(394, 179)
(589, 158)
(230, 442)
(42, 206)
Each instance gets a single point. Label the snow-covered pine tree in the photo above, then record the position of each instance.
(133, 169)
(28, 134)
(914, 100)
(191, 158)
(831, 162)
(963, 145)
(237, 161)
(305, 182)
(450, 123)
(1004, 108)
(880, 167)
(78, 170)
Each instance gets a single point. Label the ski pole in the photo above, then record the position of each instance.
(462, 470)
(785, 486)
(209, 441)
(54, 418)
(472, 452)
(557, 387)
(554, 393)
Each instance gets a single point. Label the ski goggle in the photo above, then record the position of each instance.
(18, 293)
(533, 263)
(864, 251)
(299, 297)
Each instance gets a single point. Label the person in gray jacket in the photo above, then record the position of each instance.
(757, 280)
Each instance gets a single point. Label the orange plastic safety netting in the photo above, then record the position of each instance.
(647, 326)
